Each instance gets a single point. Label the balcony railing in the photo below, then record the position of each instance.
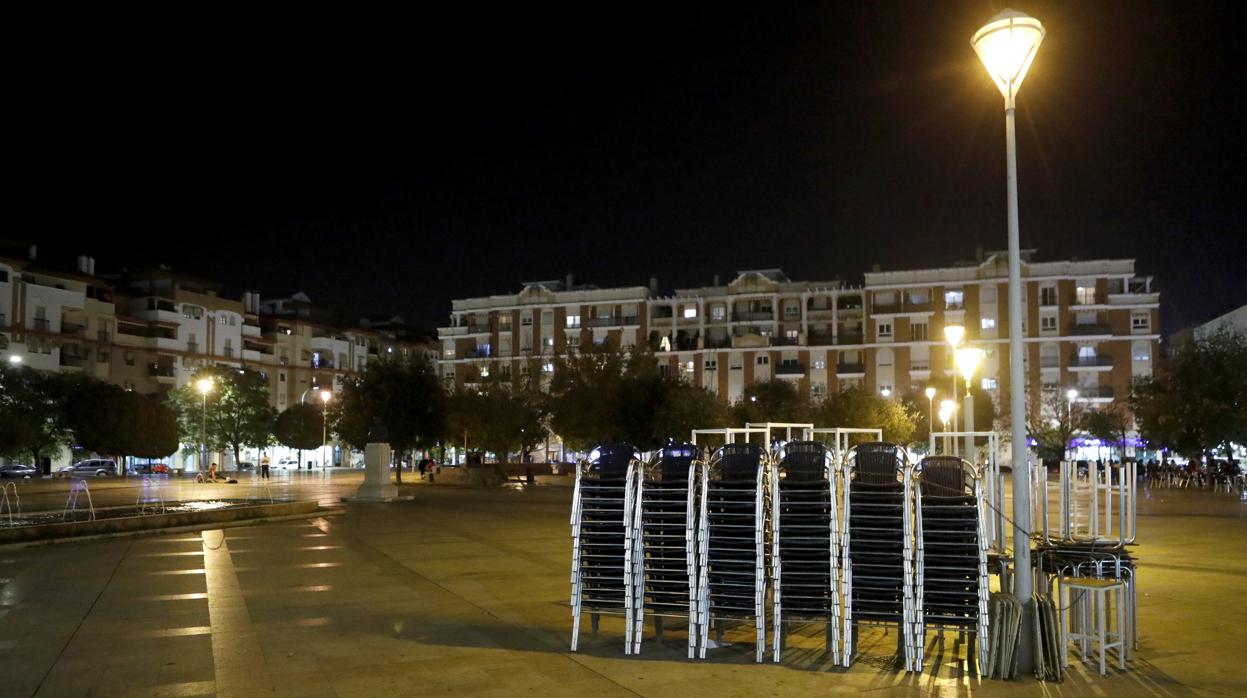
(849, 338)
(1049, 362)
(785, 341)
(844, 368)
(1090, 361)
(1078, 330)
(752, 315)
(192, 347)
(158, 371)
(39, 324)
(818, 339)
(74, 329)
(478, 328)
(476, 354)
(71, 359)
(104, 337)
(790, 370)
(1098, 391)
(611, 321)
(718, 342)
(901, 308)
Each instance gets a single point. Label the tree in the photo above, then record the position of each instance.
(109, 420)
(583, 397)
(1110, 424)
(32, 411)
(864, 409)
(397, 400)
(501, 417)
(1196, 399)
(776, 400)
(686, 407)
(1051, 420)
(300, 427)
(237, 414)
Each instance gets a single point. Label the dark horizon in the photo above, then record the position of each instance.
(387, 167)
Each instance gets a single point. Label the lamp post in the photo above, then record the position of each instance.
(930, 420)
(947, 408)
(15, 360)
(954, 334)
(1007, 45)
(1070, 396)
(205, 386)
(325, 396)
(968, 360)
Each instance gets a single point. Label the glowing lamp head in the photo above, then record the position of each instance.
(946, 411)
(968, 361)
(1071, 394)
(204, 385)
(325, 396)
(954, 334)
(886, 392)
(1007, 44)
(15, 360)
(930, 393)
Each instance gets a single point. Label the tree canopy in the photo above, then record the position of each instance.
(865, 409)
(237, 413)
(502, 417)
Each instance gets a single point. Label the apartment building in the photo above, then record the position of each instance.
(151, 331)
(1090, 325)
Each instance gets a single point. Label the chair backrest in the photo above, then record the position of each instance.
(877, 462)
(804, 460)
(738, 461)
(611, 460)
(674, 461)
(946, 476)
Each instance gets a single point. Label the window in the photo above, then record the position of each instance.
(820, 364)
(690, 311)
(917, 331)
(988, 323)
(573, 321)
(504, 323)
(792, 334)
(547, 342)
(763, 360)
(711, 365)
(1140, 321)
(792, 312)
(129, 356)
(1141, 352)
(316, 359)
(885, 329)
(718, 312)
(1084, 295)
(192, 311)
(1047, 295)
(1047, 323)
(548, 367)
(987, 294)
(484, 372)
(526, 321)
(573, 340)
(989, 384)
(954, 300)
(4, 276)
(101, 357)
(688, 366)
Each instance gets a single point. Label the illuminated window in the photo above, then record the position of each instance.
(989, 384)
(1084, 295)
(988, 323)
(572, 321)
(954, 300)
(548, 367)
(690, 311)
(820, 364)
(718, 312)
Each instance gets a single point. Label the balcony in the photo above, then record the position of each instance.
(1049, 362)
(104, 337)
(790, 369)
(785, 341)
(72, 359)
(611, 321)
(849, 304)
(753, 315)
(1095, 392)
(1094, 329)
(159, 371)
(718, 342)
(894, 308)
(849, 338)
(1090, 362)
(845, 369)
(192, 347)
(478, 328)
(476, 354)
(73, 329)
(819, 339)
(39, 324)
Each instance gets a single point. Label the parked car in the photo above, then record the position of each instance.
(151, 469)
(18, 470)
(244, 465)
(287, 464)
(99, 467)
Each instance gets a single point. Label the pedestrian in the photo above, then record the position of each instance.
(422, 465)
(264, 467)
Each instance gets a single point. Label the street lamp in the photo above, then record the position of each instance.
(1070, 396)
(325, 396)
(205, 386)
(930, 419)
(15, 360)
(954, 334)
(1007, 45)
(886, 392)
(947, 409)
(968, 360)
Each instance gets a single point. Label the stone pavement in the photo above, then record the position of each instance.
(465, 591)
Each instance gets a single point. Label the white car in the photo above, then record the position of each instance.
(287, 464)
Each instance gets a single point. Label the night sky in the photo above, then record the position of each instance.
(390, 163)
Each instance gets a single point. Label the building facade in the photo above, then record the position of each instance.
(1089, 325)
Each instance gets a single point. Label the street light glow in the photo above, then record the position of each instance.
(1071, 394)
(930, 393)
(1007, 44)
(204, 385)
(325, 395)
(886, 392)
(947, 407)
(968, 360)
(15, 359)
(954, 334)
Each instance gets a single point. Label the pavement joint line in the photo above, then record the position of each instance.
(120, 558)
(386, 561)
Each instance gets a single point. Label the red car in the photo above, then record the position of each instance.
(151, 469)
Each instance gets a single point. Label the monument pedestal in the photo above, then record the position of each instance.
(377, 485)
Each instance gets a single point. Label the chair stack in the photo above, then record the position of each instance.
(604, 570)
(805, 560)
(876, 548)
(732, 542)
(667, 520)
(950, 561)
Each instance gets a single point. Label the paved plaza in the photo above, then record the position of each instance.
(465, 591)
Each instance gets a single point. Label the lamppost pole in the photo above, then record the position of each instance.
(205, 386)
(325, 395)
(1007, 45)
(931, 421)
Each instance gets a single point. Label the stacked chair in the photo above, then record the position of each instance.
(604, 565)
(805, 557)
(732, 542)
(666, 522)
(950, 562)
(877, 537)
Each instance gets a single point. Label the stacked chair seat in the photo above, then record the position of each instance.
(950, 561)
(667, 520)
(876, 547)
(604, 569)
(732, 542)
(805, 559)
